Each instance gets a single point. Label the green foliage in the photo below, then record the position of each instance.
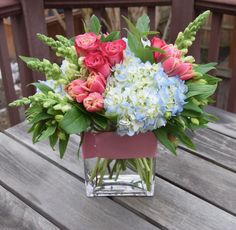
(142, 24)
(62, 46)
(114, 35)
(185, 39)
(162, 136)
(52, 71)
(75, 121)
(94, 25)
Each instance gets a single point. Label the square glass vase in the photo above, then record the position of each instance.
(119, 165)
(119, 177)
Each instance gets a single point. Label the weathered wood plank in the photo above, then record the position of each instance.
(203, 178)
(15, 214)
(226, 123)
(171, 206)
(216, 147)
(59, 194)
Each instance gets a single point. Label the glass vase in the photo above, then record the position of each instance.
(119, 166)
(119, 177)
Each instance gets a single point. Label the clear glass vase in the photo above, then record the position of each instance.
(120, 177)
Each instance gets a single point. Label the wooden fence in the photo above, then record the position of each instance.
(27, 19)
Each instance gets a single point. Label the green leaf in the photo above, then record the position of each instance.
(193, 107)
(100, 121)
(162, 136)
(133, 29)
(154, 49)
(202, 90)
(211, 79)
(47, 132)
(63, 145)
(37, 132)
(28, 59)
(74, 121)
(145, 34)
(53, 140)
(40, 117)
(114, 35)
(42, 87)
(145, 54)
(142, 24)
(204, 68)
(180, 134)
(95, 25)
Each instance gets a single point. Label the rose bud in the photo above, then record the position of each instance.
(188, 73)
(93, 102)
(78, 90)
(85, 43)
(157, 43)
(97, 62)
(96, 82)
(114, 51)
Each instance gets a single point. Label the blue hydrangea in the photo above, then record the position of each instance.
(140, 94)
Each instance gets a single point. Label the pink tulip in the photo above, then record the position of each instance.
(170, 65)
(171, 51)
(78, 90)
(175, 67)
(93, 102)
(96, 82)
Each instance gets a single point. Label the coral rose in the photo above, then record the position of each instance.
(86, 43)
(93, 102)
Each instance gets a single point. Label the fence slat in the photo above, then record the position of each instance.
(182, 15)
(70, 30)
(213, 52)
(7, 80)
(152, 13)
(123, 12)
(33, 12)
(19, 36)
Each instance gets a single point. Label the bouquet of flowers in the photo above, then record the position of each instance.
(111, 90)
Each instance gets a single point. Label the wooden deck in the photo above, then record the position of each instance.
(195, 190)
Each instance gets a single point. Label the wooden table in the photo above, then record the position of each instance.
(196, 190)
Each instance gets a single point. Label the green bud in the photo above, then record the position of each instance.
(201, 81)
(168, 115)
(62, 136)
(59, 117)
(195, 121)
(195, 101)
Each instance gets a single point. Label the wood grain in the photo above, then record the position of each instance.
(226, 124)
(215, 147)
(59, 194)
(171, 206)
(14, 214)
(206, 180)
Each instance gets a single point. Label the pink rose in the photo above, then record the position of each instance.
(96, 82)
(185, 71)
(85, 43)
(114, 51)
(93, 102)
(78, 90)
(157, 43)
(97, 62)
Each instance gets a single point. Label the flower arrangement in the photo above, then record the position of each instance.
(134, 85)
